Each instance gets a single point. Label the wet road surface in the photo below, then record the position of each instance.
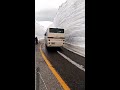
(44, 78)
(70, 73)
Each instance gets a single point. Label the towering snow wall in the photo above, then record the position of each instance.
(71, 17)
(39, 30)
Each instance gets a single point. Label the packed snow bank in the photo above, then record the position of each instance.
(45, 24)
(51, 26)
(71, 17)
(39, 31)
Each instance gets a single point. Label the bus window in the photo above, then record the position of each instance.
(55, 30)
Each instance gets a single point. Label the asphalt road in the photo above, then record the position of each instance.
(70, 73)
(44, 78)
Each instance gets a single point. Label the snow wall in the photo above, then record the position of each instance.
(71, 17)
(39, 31)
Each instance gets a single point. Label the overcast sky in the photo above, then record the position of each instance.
(47, 4)
(45, 10)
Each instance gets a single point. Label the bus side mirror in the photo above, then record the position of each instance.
(45, 34)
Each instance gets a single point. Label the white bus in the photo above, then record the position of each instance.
(54, 37)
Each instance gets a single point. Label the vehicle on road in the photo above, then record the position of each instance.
(54, 37)
(36, 40)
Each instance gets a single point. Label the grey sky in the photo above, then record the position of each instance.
(45, 10)
(46, 15)
(47, 4)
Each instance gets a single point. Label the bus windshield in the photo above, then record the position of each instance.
(56, 30)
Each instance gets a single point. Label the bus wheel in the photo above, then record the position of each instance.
(46, 46)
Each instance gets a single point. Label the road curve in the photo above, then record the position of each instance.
(70, 73)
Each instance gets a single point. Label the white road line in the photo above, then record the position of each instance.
(74, 51)
(71, 61)
(43, 81)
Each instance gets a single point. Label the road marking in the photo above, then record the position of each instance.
(60, 80)
(43, 81)
(74, 51)
(71, 61)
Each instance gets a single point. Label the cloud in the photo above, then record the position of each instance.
(46, 15)
(45, 23)
(47, 4)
